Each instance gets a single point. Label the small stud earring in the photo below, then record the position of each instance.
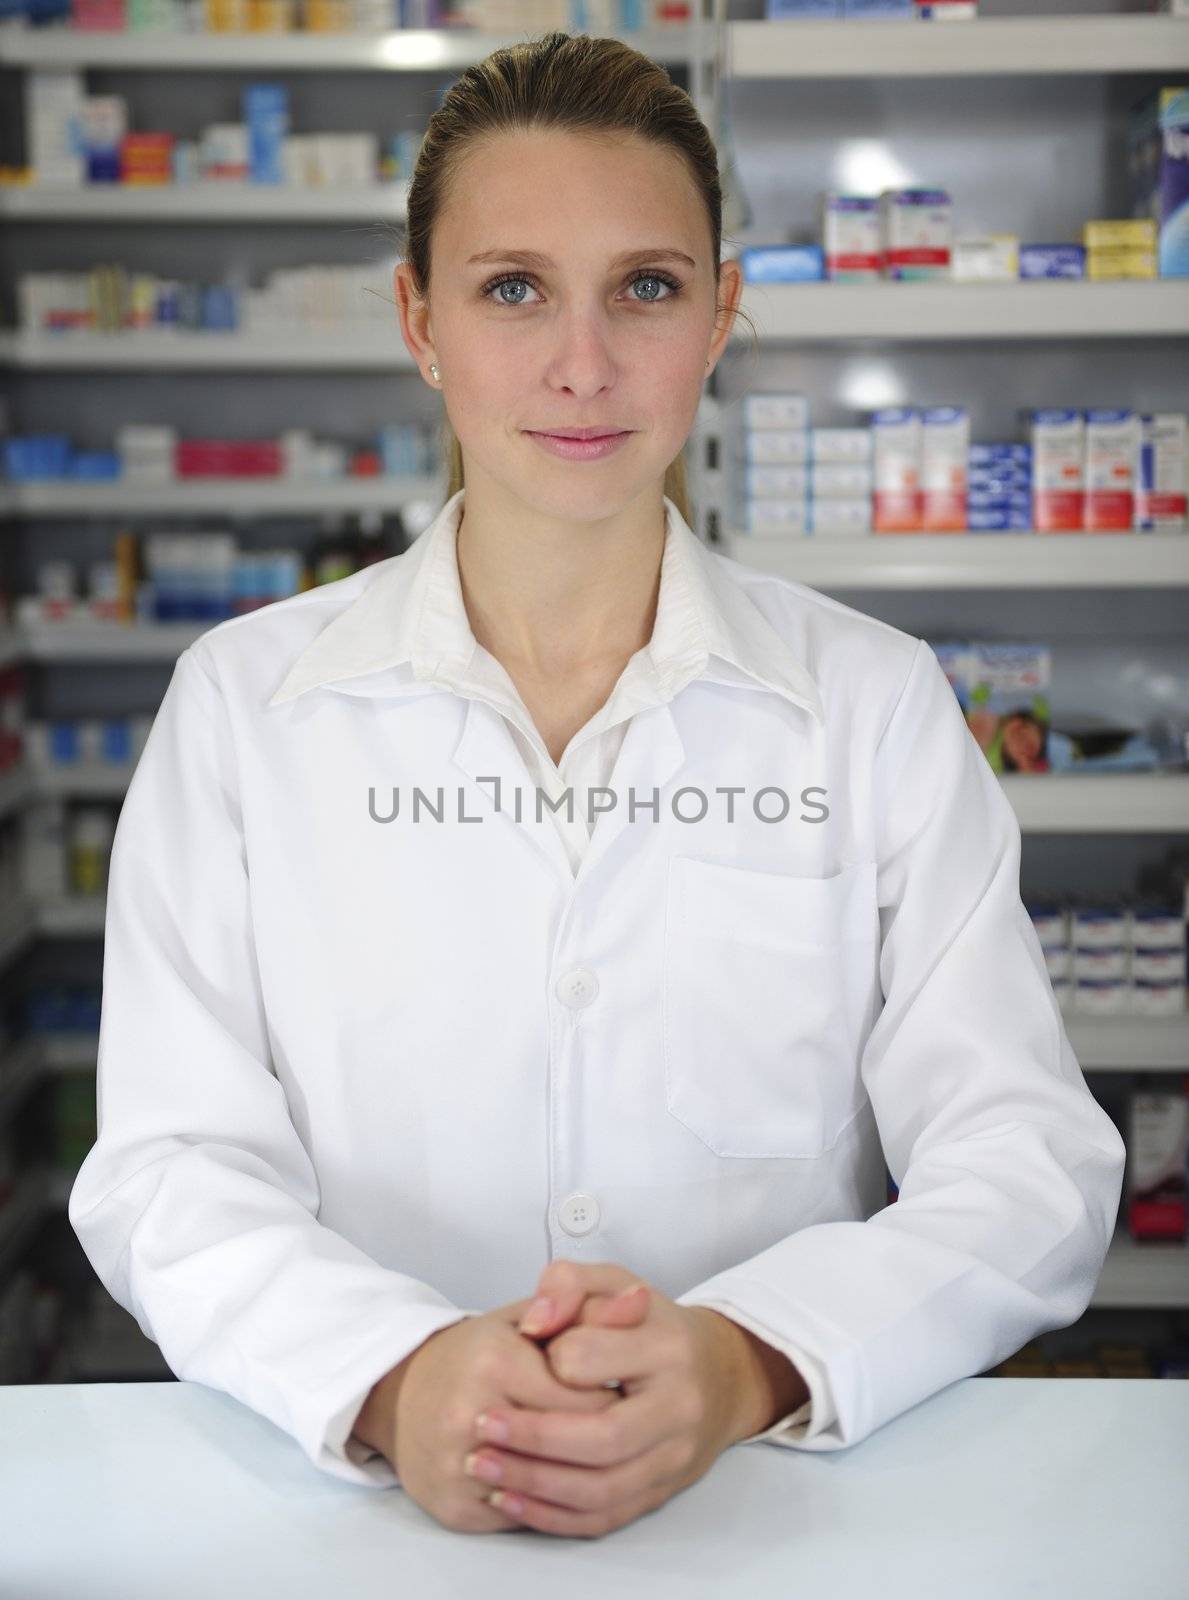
(433, 368)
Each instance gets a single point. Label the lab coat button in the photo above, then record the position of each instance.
(579, 1213)
(577, 988)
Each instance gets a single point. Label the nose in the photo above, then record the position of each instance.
(581, 359)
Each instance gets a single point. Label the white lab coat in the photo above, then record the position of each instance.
(359, 1078)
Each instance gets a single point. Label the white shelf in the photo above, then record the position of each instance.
(241, 203)
(990, 46)
(1100, 802)
(816, 313)
(89, 780)
(986, 47)
(444, 50)
(246, 496)
(379, 349)
(1142, 1276)
(77, 916)
(1130, 1044)
(968, 560)
(109, 641)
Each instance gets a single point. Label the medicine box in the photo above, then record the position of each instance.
(916, 233)
(992, 257)
(1058, 471)
(896, 432)
(1007, 706)
(777, 483)
(783, 263)
(851, 236)
(840, 516)
(1112, 464)
(776, 411)
(1161, 486)
(776, 446)
(777, 516)
(1052, 261)
(799, 10)
(945, 448)
(840, 444)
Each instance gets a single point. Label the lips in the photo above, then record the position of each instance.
(579, 433)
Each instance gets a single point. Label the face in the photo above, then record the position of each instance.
(581, 337)
(1022, 740)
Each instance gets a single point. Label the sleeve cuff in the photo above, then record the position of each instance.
(809, 1419)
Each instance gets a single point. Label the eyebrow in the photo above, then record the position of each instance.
(533, 258)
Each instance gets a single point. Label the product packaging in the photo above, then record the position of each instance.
(1161, 490)
(1052, 261)
(1007, 706)
(1158, 160)
(896, 432)
(945, 447)
(916, 233)
(783, 263)
(1112, 466)
(1058, 471)
(992, 257)
(851, 237)
(1156, 1158)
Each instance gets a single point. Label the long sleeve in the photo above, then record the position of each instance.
(197, 1205)
(1009, 1171)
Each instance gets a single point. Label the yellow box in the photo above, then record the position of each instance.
(1121, 264)
(1138, 233)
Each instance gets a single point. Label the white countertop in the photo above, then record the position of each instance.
(994, 1489)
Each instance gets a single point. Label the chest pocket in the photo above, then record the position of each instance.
(769, 987)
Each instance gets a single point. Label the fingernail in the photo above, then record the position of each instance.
(537, 1315)
(477, 1466)
(493, 1429)
(623, 1293)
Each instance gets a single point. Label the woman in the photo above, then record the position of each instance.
(394, 1041)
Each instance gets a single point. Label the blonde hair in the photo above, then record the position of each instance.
(564, 81)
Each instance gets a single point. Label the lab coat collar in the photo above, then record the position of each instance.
(715, 626)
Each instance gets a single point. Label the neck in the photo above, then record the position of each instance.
(550, 596)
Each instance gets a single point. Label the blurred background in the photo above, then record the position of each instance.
(965, 237)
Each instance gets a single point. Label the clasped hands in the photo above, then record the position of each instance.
(503, 1421)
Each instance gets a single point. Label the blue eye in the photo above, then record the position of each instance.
(674, 288)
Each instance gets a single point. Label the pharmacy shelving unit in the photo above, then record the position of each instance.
(878, 89)
(282, 225)
(788, 319)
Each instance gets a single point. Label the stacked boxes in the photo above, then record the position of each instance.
(776, 463)
(999, 489)
(1121, 249)
(840, 482)
(1109, 957)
